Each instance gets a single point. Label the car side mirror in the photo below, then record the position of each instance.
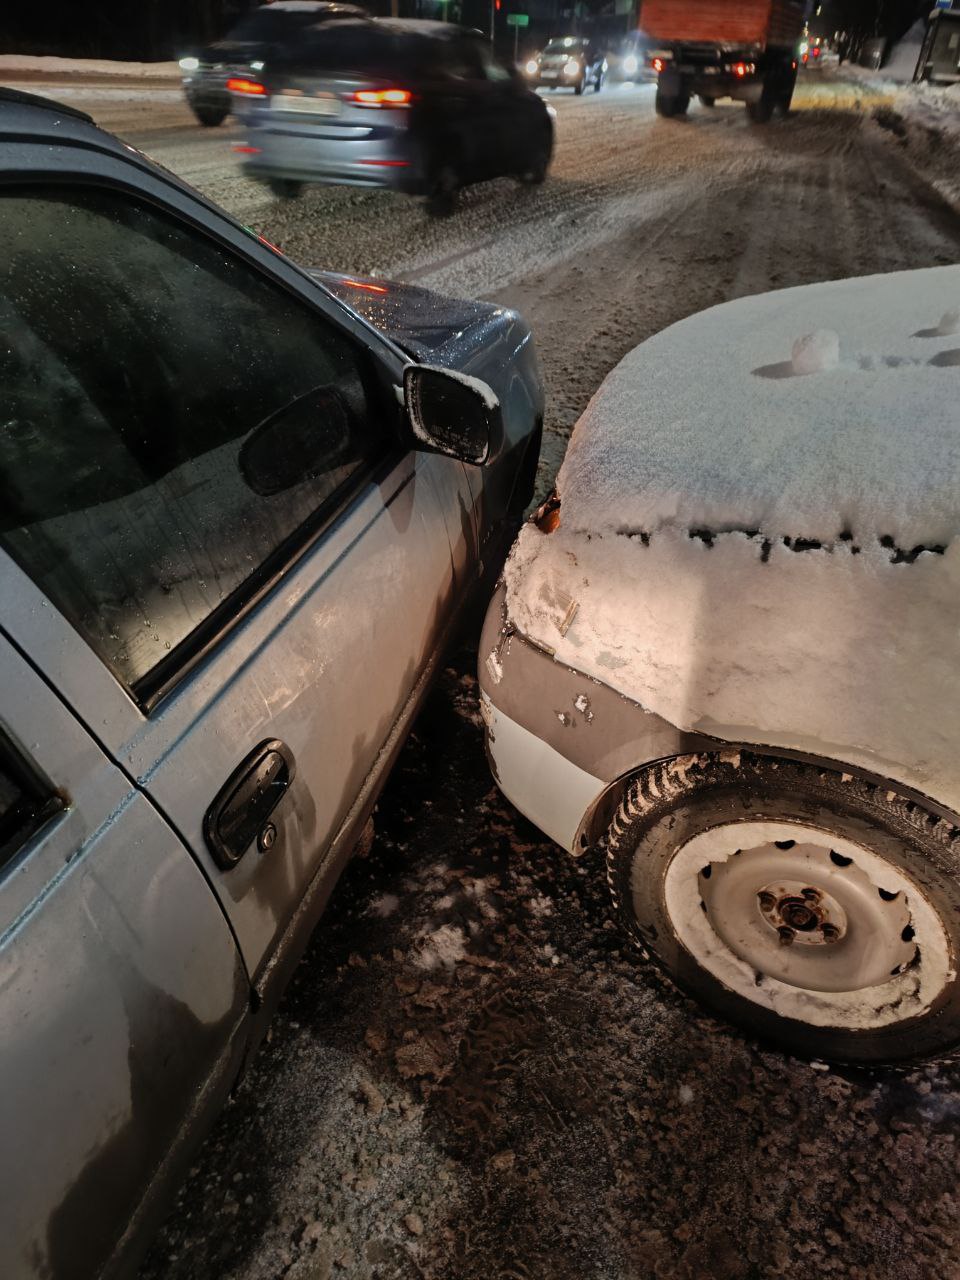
(452, 413)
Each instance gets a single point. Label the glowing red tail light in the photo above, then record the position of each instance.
(250, 87)
(739, 68)
(383, 97)
(657, 65)
(816, 51)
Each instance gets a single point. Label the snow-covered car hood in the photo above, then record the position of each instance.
(766, 556)
(709, 424)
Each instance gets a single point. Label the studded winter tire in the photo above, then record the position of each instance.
(808, 906)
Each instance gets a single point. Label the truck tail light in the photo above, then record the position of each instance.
(739, 68)
(382, 97)
(252, 88)
(657, 65)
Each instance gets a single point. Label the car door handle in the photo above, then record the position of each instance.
(240, 814)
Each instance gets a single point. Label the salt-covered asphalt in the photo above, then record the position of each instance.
(472, 1075)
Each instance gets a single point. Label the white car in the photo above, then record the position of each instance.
(730, 650)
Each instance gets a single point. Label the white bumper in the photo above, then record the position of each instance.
(553, 793)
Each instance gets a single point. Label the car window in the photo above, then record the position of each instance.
(493, 68)
(461, 60)
(169, 418)
(25, 803)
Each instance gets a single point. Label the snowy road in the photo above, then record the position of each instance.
(472, 1075)
(641, 222)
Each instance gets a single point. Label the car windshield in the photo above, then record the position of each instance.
(565, 44)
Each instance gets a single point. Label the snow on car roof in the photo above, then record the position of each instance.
(717, 423)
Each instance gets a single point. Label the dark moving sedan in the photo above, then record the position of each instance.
(244, 507)
(571, 62)
(246, 48)
(420, 107)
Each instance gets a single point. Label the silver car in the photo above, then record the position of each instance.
(420, 107)
(243, 508)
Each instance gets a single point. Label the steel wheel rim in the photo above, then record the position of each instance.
(731, 890)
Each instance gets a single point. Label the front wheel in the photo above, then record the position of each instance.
(809, 907)
(671, 104)
(578, 87)
(285, 188)
(539, 162)
(598, 83)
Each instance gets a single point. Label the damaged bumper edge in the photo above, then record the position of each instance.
(545, 786)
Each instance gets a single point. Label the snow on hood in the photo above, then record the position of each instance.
(716, 424)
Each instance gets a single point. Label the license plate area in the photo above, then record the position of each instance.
(318, 104)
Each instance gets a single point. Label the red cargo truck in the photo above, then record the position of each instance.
(743, 49)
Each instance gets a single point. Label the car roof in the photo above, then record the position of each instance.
(28, 117)
(426, 27)
(32, 101)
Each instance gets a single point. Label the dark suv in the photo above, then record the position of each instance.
(421, 107)
(246, 48)
(571, 62)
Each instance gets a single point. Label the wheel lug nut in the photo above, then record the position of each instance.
(767, 901)
(811, 895)
(786, 935)
(830, 932)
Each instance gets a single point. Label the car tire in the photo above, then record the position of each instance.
(598, 83)
(709, 859)
(285, 188)
(761, 111)
(671, 104)
(210, 117)
(539, 161)
(579, 86)
(444, 190)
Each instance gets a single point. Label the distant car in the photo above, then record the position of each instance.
(630, 62)
(569, 62)
(728, 652)
(246, 48)
(244, 507)
(421, 107)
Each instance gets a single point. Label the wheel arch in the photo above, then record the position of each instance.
(598, 817)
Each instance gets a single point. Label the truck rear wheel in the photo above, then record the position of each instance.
(672, 104)
(761, 110)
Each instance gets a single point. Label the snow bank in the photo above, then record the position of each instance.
(12, 64)
(905, 54)
(686, 571)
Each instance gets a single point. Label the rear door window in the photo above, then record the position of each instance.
(171, 420)
(25, 802)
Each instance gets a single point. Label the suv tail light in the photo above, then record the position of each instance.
(382, 97)
(252, 88)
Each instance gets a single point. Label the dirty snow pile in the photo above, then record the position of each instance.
(759, 520)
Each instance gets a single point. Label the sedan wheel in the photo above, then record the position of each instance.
(541, 154)
(808, 906)
(444, 189)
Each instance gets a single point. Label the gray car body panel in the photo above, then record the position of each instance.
(117, 902)
(123, 999)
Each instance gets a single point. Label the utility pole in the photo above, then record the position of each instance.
(493, 18)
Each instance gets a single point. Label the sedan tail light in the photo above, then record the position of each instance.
(252, 88)
(382, 97)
